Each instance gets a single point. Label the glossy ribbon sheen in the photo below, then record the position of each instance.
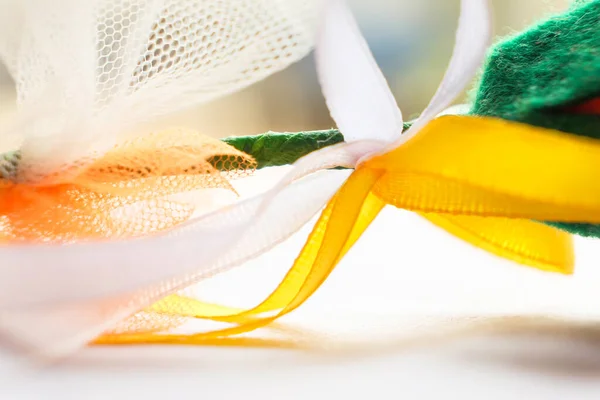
(458, 174)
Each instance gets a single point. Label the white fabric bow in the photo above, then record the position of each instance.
(55, 299)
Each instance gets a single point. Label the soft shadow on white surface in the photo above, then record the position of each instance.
(393, 294)
(499, 368)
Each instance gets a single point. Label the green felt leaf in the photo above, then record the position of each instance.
(532, 76)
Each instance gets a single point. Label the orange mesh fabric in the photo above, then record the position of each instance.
(126, 193)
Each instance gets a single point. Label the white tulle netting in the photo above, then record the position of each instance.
(92, 78)
(93, 71)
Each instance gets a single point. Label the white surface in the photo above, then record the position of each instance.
(407, 268)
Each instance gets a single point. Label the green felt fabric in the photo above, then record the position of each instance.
(275, 149)
(532, 76)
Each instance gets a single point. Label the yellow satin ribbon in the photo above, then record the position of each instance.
(484, 180)
(177, 307)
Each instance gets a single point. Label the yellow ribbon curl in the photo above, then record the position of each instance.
(484, 180)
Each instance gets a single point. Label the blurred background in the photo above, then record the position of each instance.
(411, 40)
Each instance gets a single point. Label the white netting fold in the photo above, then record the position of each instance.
(89, 72)
(92, 77)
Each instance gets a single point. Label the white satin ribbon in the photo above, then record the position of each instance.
(67, 287)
